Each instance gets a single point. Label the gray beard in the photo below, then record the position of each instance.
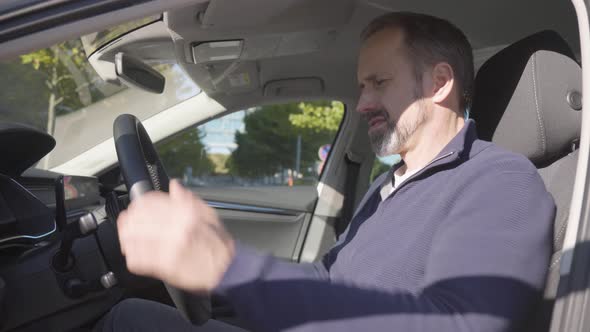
(390, 140)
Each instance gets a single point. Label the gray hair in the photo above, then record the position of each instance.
(431, 40)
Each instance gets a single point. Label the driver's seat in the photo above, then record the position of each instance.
(528, 100)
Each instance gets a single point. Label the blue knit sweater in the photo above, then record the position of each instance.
(462, 245)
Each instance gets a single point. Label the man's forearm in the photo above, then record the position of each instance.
(272, 295)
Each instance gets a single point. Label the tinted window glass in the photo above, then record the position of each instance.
(276, 145)
(382, 165)
(57, 90)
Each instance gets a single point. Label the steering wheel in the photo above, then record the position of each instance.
(143, 171)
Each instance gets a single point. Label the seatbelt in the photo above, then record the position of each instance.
(353, 167)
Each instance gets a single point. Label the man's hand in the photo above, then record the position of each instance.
(176, 238)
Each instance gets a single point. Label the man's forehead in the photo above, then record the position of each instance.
(380, 52)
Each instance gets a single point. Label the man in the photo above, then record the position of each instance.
(457, 237)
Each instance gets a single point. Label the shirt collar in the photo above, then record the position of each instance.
(462, 142)
(459, 146)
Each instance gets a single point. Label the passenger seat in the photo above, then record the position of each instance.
(528, 100)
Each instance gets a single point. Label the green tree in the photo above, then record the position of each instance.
(65, 75)
(379, 168)
(319, 116)
(23, 96)
(269, 143)
(185, 150)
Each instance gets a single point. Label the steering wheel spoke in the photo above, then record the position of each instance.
(142, 172)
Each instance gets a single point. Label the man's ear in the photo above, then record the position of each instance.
(443, 79)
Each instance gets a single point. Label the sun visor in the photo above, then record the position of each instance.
(295, 14)
(217, 51)
(234, 77)
(294, 87)
(21, 147)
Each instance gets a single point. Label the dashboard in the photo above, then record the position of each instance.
(80, 191)
(58, 268)
(28, 204)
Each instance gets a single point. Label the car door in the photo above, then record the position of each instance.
(570, 312)
(259, 167)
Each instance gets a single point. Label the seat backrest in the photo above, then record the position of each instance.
(528, 99)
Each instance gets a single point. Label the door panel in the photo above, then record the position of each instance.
(270, 219)
(273, 233)
(259, 168)
(296, 198)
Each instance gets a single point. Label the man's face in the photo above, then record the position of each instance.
(390, 98)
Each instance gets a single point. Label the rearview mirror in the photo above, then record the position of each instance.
(135, 73)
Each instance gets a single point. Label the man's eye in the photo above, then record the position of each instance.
(379, 83)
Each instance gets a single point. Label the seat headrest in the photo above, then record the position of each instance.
(528, 98)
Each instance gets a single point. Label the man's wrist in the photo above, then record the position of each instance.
(245, 267)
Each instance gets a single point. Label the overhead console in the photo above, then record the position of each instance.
(229, 49)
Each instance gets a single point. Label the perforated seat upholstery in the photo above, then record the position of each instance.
(527, 100)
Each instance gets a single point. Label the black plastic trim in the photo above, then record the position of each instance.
(59, 13)
(251, 208)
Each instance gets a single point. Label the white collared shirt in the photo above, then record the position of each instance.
(390, 185)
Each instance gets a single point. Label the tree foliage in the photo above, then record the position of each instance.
(269, 143)
(379, 168)
(182, 151)
(318, 116)
(23, 94)
(66, 77)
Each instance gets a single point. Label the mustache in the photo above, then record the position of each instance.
(380, 112)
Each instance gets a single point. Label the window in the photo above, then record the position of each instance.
(275, 145)
(57, 90)
(94, 41)
(259, 168)
(382, 165)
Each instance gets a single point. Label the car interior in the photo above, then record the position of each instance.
(185, 71)
(537, 73)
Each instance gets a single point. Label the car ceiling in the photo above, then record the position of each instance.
(291, 45)
(290, 39)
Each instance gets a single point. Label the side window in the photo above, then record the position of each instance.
(266, 146)
(382, 165)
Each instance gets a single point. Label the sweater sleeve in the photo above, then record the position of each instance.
(485, 272)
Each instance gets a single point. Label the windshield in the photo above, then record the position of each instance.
(94, 41)
(56, 90)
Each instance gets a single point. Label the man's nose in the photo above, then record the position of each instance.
(366, 104)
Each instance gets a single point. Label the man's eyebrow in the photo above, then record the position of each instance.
(370, 77)
(374, 77)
